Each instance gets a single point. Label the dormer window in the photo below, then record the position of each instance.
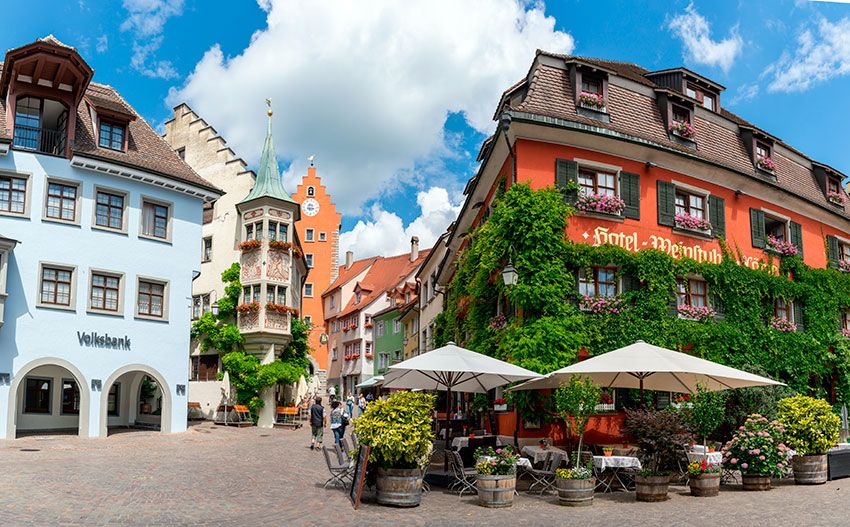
(680, 124)
(112, 135)
(590, 89)
(705, 98)
(592, 93)
(764, 157)
(40, 125)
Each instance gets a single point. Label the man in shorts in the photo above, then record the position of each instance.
(317, 424)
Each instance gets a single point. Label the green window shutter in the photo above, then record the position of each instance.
(717, 216)
(566, 171)
(798, 315)
(796, 237)
(832, 251)
(666, 203)
(757, 228)
(630, 283)
(630, 193)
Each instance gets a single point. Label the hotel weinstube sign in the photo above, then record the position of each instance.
(94, 339)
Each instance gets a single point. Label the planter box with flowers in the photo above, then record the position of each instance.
(700, 314)
(496, 476)
(682, 400)
(606, 403)
(695, 224)
(781, 247)
(575, 486)
(498, 322)
(704, 478)
(369, 356)
(250, 307)
(600, 204)
(683, 133)
(836, 198)
(780, 324)
(281, 309)
(279, 245)
(844, 266)
(766, 163)
(500, 405)
(250, 245)
(592, 105)
(597, 305)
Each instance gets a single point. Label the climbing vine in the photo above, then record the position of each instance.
(248, 376)
(543, 327)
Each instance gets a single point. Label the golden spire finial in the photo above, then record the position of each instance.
(269, 104)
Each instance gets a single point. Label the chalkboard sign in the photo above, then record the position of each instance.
(359, 475)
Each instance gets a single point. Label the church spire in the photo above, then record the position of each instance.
(269, 183)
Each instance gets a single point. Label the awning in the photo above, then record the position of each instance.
(371, 382)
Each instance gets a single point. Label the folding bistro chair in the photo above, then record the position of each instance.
(545, 477)
(464, 478)
(340, 472)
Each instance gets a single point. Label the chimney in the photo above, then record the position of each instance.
(414, 248)
(349, 259)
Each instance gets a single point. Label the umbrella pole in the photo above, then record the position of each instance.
(642, 400)
(448, 411)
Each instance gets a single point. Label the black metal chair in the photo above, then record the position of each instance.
(464, 478)
(340, 472)
(545, 477)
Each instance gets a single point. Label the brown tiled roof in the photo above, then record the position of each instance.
(146, 150)
(346, 274)
(385, 273)
(550, 94)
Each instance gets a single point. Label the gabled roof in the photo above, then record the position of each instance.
(347, 274)
(385, 273)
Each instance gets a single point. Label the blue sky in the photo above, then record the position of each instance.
(395, 99)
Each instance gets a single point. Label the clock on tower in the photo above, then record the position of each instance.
(310, 207)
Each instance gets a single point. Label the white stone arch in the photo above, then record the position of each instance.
(165, 417)
(85, 398)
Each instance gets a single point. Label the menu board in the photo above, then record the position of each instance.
(359, 475)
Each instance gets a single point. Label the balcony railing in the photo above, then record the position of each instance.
(40, 139)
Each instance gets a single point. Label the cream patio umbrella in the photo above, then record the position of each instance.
(452, 368)
(644, 366)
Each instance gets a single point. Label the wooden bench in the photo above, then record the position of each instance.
(286, 416)
(195, 413)
(233, 415)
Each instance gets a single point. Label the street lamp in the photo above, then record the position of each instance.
(509, 273)
(215, 303)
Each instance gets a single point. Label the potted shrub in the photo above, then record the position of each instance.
(704, 478)
(575, 485)
(811, 429)
(576, 401)
(757, 451)
(608, 451)
(660, 436)
(496, 476)
(399, 431)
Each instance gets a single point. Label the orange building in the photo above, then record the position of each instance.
(318, 230)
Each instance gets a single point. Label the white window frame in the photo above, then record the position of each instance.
(309, 235)
(310, 285)
(323, 236)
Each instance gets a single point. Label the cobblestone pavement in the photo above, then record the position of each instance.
(213, 475)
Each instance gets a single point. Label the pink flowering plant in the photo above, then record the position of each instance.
(602, 203)
(693, 223)
(610, 305)
(757, 448)
(496, 462)
(766, 163)
(844, 266)
(836, 197)
(781, 246)
(699, 313)
(592, 100)
(498, 322)
(781, 324)
(683, 129)
(845, 333)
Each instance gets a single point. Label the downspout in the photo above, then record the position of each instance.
(505, 125)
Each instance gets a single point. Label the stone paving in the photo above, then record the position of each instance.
(213, 475)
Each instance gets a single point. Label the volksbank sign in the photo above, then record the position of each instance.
(96, 340)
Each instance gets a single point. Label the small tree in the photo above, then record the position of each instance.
(707, 413)
(660, 436)
(811, 427)
(576, 401)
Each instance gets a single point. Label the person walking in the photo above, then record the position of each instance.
(349, 402)
(338, 421)
(361, 405)
(317, 424)
(332, 392)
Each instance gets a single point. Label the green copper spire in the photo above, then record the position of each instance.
(269, 183)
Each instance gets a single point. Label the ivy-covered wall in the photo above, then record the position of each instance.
(543, 328)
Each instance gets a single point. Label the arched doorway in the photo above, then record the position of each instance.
(135, 396)
(48, 395)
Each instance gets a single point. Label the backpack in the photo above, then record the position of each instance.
(344, 420)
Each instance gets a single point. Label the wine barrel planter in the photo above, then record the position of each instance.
(495, 491)
(810, 470)
(705, 485)
(755, 482)
(651, 488)
(399, 487)
(575, 492)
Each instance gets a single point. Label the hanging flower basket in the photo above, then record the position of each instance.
(602, 304)
(250, 307)
(600, 203)
(691, 223)
(701, 314)
(591, 100)
(279, 245)
(250, 245)
(781, 324)
(683, 129)
(780, 246)
(837, 198)
(766, 163)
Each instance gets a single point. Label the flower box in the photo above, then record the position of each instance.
(780, 324)
(250, 245)
(846, 333)
(781, 247)
(367, 325)
(369, 356)
(594, 101)
(683, 129)
(700, 314)
(278, 245)
(844, 266)
(766, 163)
(281, 308)
(836, 198)
(345, 328)
(605, 407)
(250, 307)
(600, 203)
(602, 304)
(296, 252)
(692, 223)
(500, 407)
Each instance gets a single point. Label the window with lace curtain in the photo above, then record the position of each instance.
(155, 220)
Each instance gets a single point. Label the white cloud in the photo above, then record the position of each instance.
(146, 20)
(368, 89)
(744, 93)
(699, 47)
(823, 53)
(102, 45)
(384, 233)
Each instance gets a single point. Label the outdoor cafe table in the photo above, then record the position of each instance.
(463, 441)
(616, 467)
(712, 458)
(538, 454)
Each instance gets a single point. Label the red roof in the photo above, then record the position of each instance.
(385, 273)
(346, 274)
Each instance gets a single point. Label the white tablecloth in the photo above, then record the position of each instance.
(538, 454)
(521, 462)
(713, 458)
(603, 462)
(460, 442)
